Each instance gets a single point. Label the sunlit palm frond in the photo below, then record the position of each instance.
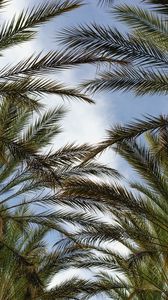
(22, 28)
(41, 64)
(130, 131)
(140, 81)
(27, 88)
(40, 133)
(107, 41)
(70, 289)
(3, 3)
(158, 5)
(141, 19)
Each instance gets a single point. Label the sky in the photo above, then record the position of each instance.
(84, 122)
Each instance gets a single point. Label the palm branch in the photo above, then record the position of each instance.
(144, 49)
(28, 266)
(23, 27)
(138, 223)
(32, 202)
(18, 82)
(159, 5)
(132, 131)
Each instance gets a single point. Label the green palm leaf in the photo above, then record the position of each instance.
(21, 28)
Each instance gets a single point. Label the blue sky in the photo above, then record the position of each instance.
(86, 123)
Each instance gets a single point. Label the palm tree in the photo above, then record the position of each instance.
(144, 49)
(31, 202)
(142, 61)
(27, 264)
(26, 82)
(138, 224)
(30, 175)
(139, 214)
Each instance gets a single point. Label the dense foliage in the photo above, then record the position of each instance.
(115, 228)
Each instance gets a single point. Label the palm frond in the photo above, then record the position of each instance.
(159, 5)
(135, 129)
(146, 165)
(45, 127)
(140, 81)
(38, 64)
(3, 3)
(95, 169)
(132, 130)
(114, 196)
(70, 153)
(13, 119)
(28, 89)
(106, 41)
(143, 20)
(22, 28)
(69, 289)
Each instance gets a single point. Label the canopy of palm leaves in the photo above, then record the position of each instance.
(31, 201)
(140, 60)
(144, 49)
(29, 175)
(26, 82)
(138, 223)
(139, 214)
(27, 264)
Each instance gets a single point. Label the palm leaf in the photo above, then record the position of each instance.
(159, 5)
(27, 88)
(106, 41)
(142, 82)
(21, 28)
(38, 64)
(45, 127)
(132, 130)
(142, 20)
(3, 3)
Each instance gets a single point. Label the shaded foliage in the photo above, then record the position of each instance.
(137, 267)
